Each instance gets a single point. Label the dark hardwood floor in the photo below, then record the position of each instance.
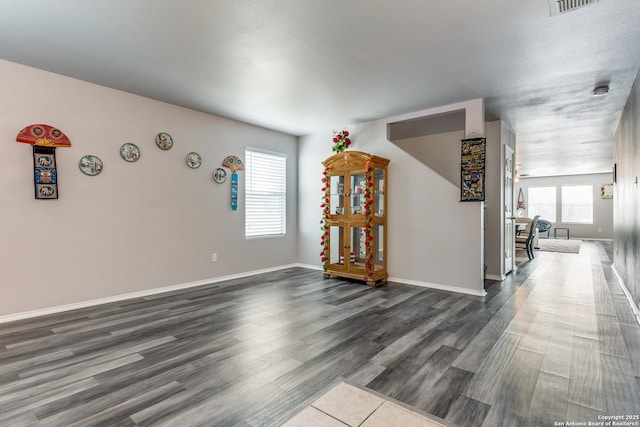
(555, 342)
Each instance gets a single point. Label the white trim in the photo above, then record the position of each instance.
(495, 277)
(155, 291)
(449, 288)
(145, 293)
(310, 266)
(634, 307)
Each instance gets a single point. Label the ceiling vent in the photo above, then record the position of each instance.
(563, 6)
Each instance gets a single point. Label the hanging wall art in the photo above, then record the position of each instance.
(164, 141)
(472, 166)
(44, 139)
(129, 152)
(521, 203)
(90, 165)
(219, 175)
(193, 160)
(235, 164)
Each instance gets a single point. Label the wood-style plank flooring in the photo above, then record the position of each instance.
(555, 342)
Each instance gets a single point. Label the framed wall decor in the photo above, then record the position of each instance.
(472, 169)
(44, 139)
(46, 174)
(219, 175)
(164, 141)
(606, 191)
(90, 165)
(193, 160)
(130, 152)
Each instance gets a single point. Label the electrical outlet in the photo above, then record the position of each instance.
(214, 257)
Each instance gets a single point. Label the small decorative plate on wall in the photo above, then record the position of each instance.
(130, 152)
(90, 165)
(219, 175)
(194, 160)
(164, 141)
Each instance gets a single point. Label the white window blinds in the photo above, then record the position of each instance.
(265, 193)
(542, 201)
(577, 204)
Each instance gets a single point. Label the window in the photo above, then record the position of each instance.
(577, 204)
(542, 201)
(265, 193)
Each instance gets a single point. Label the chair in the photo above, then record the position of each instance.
(525, 239)
(544, 226)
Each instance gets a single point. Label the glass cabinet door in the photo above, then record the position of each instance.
(358, 247)
(378, 247)
(357, 187)
(336, 245)
(336, 199)
(378, 192)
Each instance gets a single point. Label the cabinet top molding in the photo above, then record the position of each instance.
(349, 158)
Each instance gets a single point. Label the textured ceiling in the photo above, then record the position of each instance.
(301, 66)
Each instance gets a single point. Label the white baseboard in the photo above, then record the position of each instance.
(310, 266)
(140, 294)
(155, 291)
(623, 286)
(421, 284)
(495, 277)
(458, 289)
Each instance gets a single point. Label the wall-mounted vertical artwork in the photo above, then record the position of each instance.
(472, 167)
(44, 139)
(606, 191)
(235, 164)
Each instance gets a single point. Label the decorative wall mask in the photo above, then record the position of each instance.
(235, 164)
(44, 139)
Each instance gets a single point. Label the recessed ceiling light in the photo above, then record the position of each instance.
(601, 90)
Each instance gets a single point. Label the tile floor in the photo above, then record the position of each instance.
(346, 405)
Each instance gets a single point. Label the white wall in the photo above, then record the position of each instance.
(441, 153)
(136, 226)
(433, 238)
(498, 135)
(602, 227)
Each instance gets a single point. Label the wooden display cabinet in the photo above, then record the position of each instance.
(355, 217)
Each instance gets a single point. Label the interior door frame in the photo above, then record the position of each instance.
(509, 219)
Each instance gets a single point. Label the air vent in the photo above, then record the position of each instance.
(563, 6)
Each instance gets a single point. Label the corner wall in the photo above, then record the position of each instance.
(441, 153)
(498, 136)
(626, 195)
(136, 226)
(433, 238)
